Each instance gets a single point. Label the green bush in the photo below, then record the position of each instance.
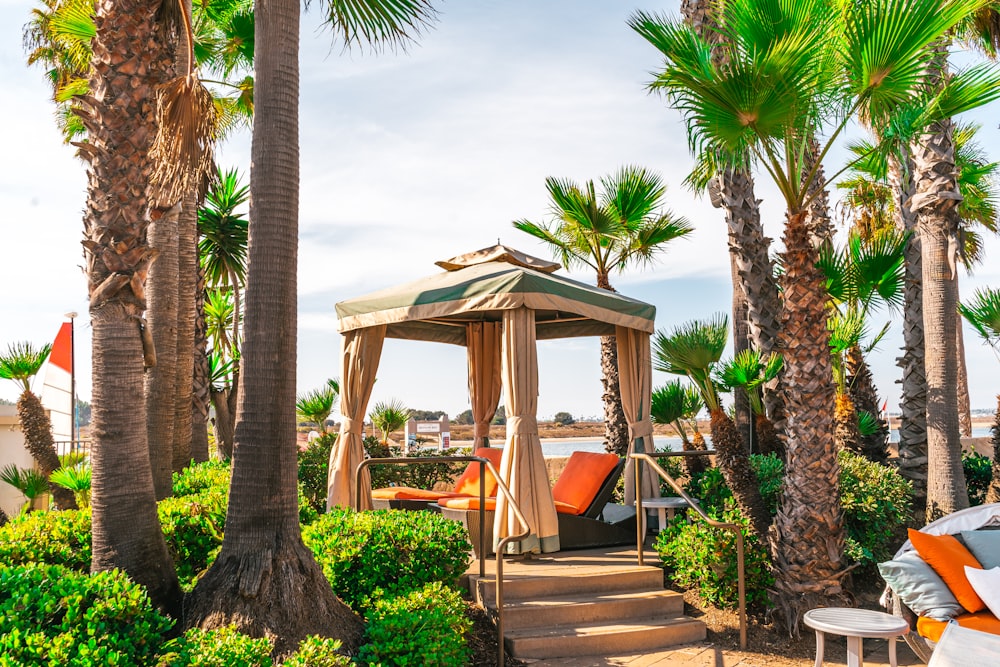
(714, 495)
(52, 616)
(314, 462)
(391, 551)
(223, 647)
(703, 558)
(202, 477)
(426, 628)
(419, 475)
(876, 502)
(318, 652)
(978, 473)
(193, 526)
(56, 538)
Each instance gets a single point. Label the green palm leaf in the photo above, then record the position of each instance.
(316, 405)
(693, 349)
(22, 362)
(224, 231)
(389, 416)
(378, 23)
(983, 313)
(667, 403)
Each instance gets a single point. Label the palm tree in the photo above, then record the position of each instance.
(219, 314)
(751, 371)
(21, 363)
(263, 567)
(673, 404)
(796, 71)
(29, 482)
(694, 349)
(624, 225)
(983, 313)
(316, 405)
(389, 416)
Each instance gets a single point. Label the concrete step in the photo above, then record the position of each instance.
(567, 582)
(592, 608)
(608, 638)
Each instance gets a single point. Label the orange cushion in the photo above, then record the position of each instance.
(983, 621)
(582, 478)
(468, 483)
(467, 503)
(408, 493)
(566, 508)
(948, 557)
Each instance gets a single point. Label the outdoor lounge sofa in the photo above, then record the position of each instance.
(927, 583)
(467, 485)
(581, 494)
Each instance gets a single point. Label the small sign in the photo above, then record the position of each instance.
(428, 427)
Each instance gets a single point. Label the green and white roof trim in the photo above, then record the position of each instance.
(479, 286)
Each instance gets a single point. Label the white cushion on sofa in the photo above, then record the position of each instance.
(986, 583)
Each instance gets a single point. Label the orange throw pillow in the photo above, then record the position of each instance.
(948, 557)
(468, 483)
(582, 478)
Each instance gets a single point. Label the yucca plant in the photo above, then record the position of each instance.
(316, 405)
(694, 349)
(77, 479)
(983, 313)
(676, 403)
(389, 416)
(751, 372)
(28, 481)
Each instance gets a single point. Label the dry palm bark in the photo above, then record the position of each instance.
(130, 59)
(936, 202)
(615, 424)
(807, 536)
(37, 429)
(265, 580)
(964, 402)
(846, 434)
(861, 386)
(731, 457)
(161, 378)
(187, 285)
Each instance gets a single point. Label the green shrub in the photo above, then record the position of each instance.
(395, 552)
(223, 647)
(193, 526)
(978, 473)
(710, 488)
(426, 628)
(418, 475)
(876, 502)
(53, 616)
(703, 558)
(201, 477)
(314, 462)
(318, 652)
(56, 538)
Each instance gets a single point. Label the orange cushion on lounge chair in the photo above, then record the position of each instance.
(467, 503)
(948, 557)
(468, 483)
(983, 621)
(582, 478)
(409, 493)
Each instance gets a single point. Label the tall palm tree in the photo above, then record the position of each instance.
(694, 349)
(751, 371)
(983, 313)
(799, 70)
(258, 579)
(624, 225)
(675, 403)
(21, 363)
(224, 366)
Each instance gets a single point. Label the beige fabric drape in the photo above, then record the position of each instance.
(359, 364)
(483, 344)
(522, 467)
(635, 377)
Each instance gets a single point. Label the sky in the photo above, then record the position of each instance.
(416, 157)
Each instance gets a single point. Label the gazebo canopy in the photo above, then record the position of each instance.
(479, 286)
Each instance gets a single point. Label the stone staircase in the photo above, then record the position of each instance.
(588, 611)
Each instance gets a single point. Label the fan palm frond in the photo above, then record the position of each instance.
(22, 362)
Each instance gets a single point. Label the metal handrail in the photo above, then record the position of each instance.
(641, 458)
(484, 464)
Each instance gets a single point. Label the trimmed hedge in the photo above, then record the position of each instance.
(318, 652)
(388, 551)
(223, 647)
(56, 538)
(52, 616)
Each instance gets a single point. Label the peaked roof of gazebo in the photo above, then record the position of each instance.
(479, 286)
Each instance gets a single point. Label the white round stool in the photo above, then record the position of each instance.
(664, 507)
(855, 624)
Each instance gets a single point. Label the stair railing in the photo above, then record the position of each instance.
(644, 458)
(484, 464)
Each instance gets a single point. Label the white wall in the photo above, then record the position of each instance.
(12, 450)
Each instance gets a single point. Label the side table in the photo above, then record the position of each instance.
(855, 624)
(664, 507)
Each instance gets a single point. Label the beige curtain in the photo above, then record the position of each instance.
(522, 467)
(359, 364)
(483, 345)
(635, 377)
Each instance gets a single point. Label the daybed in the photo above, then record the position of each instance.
(466, 486)
(929, 586)
(581, 494)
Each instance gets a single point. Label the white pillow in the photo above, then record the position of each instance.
(986, 583)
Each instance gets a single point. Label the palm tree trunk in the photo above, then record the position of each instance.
(130, 59)
(936, 204)
(807, 537)
(161, 379)
(861, 388)
(224, 434)
(615, 424)
(818, 221)
(37, 429)
(200, 384)
(265, 580)
(845, 425)
(912, 460)
(742, 414)
(993, 494)
(187, 286)
(964, 402)
(734, 464)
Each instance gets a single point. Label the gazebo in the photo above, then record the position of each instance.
(496, 302)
